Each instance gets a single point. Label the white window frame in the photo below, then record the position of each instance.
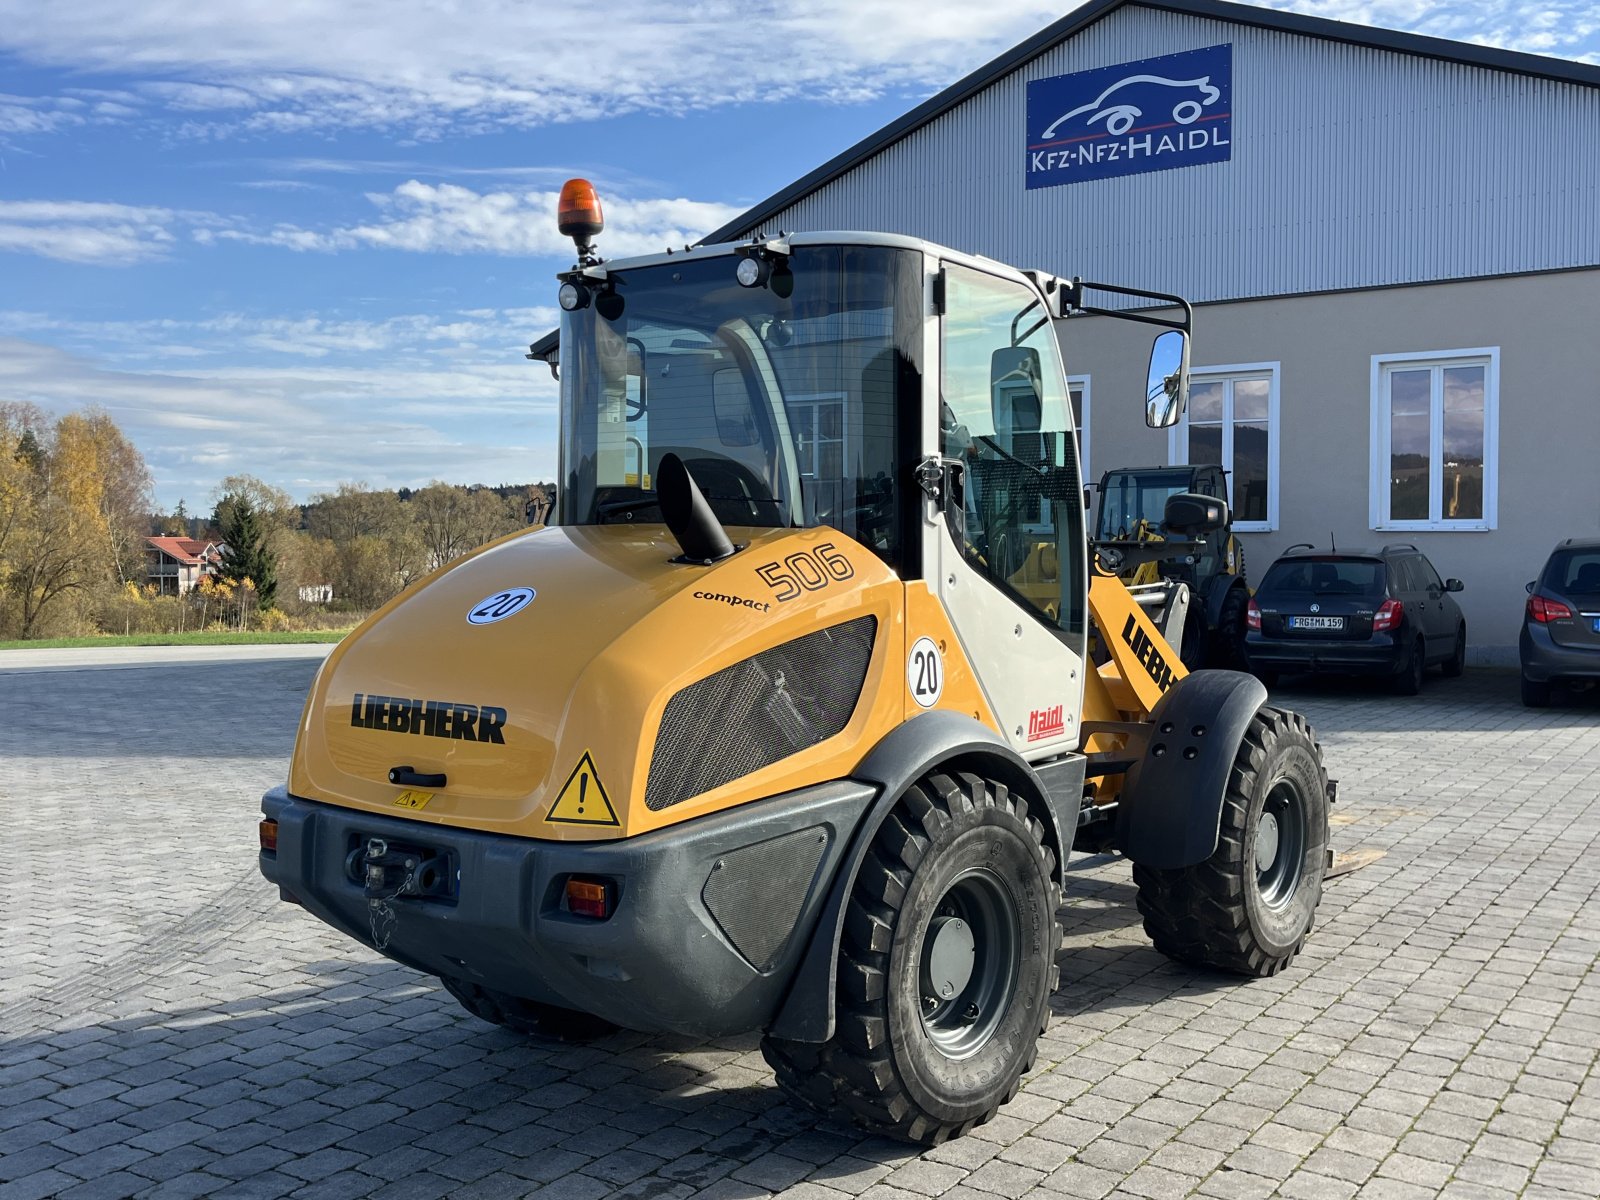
(813, 401)
(1378, 475)
(1081, 382)
(1178, 435)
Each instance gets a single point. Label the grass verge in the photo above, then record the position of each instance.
(179, 639)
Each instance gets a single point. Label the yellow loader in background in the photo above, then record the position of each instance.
(789, 723)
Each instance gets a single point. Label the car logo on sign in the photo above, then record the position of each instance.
(500, 606)
(1316, 608)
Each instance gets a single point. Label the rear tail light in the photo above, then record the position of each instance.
(1252, 616)
(1388, 616)
(1543, 610)
(589, 898)
(268, 832)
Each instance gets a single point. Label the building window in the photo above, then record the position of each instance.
(1232, 419)
(1435, 423)
(1078, 391)
(817, 423)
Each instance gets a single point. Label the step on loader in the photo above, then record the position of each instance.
(788, 722)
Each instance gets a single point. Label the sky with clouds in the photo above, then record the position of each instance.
(311, 241)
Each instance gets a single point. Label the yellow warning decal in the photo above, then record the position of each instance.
(583, 799)
(410, 799)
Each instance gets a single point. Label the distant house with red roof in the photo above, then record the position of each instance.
(177, 564)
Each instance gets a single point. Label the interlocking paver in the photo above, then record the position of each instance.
(178, 1032)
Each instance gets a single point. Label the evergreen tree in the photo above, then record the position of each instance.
(248, 556)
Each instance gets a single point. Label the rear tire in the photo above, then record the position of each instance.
(946, 970)
(1456, 664)
(527, 1017)
(1409, 681)
(1535, 695)
(1248, 908)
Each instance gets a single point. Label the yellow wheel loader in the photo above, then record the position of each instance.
(788, 723)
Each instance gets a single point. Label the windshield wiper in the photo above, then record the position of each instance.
(1004, 453)
(632, 504)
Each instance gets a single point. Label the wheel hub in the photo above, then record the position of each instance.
(1281, 837)
(1266, 842)
(971, 954)
(947, 968)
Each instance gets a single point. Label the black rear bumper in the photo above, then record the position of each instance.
(1377, 655)
(710, 916)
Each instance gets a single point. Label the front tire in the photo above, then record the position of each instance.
(946, 970)
(1456, 664)
(1248, 908)
(1227, 643)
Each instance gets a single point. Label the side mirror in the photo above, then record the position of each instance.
(1015, 390)
(1191, 514)
(1167, 388)
(1088, 496)
(1453, 585)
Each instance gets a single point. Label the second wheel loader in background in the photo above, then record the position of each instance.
(1132, 502)
(790, 723)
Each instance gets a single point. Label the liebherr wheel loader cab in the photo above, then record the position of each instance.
(787, 723)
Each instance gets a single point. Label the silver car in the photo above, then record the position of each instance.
(1560, 640)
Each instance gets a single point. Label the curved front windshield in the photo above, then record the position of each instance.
(781, 399)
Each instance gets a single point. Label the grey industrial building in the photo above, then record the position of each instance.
(1392, 243)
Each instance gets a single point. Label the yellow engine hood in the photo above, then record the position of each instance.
(550, 711)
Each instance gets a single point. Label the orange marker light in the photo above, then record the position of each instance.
(588, 898)
(269, 835)
(578, 214)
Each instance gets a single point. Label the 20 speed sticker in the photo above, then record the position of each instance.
(500, 606)
(925, 672)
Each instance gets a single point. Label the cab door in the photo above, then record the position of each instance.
(1010, 551)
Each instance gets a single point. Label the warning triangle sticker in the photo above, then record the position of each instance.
(583, 799)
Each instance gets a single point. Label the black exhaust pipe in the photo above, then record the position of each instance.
(688, 515)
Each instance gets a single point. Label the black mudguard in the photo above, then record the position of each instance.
(1169, 814)
(935, 740)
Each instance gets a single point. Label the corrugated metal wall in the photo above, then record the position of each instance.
(1352, 168)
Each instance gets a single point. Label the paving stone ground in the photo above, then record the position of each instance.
(169, 1029)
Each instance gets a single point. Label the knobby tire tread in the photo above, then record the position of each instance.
(1197, 914)
(854, 1071)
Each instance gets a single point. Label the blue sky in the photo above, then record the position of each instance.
(310, 241)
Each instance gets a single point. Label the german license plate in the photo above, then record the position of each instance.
(1316, 622)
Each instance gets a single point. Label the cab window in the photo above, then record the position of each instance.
(1007, 417)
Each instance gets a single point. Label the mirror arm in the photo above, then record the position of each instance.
(1073, 300)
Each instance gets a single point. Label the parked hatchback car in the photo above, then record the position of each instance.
(1356, 612)
(1560, 640)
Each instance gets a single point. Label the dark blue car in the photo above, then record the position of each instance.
(1356, 612)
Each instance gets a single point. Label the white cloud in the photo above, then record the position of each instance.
(84, 232)
(429, 69)
(302, 401)
(450, 219)
(435, 69)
